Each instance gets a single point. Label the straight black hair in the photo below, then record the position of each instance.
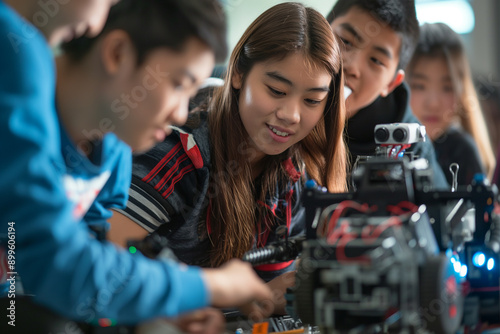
(153, 24)
(399, 15)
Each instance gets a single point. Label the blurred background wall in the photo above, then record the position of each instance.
(482, 39)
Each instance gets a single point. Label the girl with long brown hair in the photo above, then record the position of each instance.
(444, 99)
(223, 183)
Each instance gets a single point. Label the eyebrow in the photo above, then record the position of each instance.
(359, 38)
(350, 28)
(420, 76)
(277, 76)
(186, 73)
(417, 76)
(190, 75)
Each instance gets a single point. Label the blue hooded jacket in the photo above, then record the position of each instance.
(46, 189)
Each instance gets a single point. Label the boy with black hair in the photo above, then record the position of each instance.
(64, 166)
(379, 37)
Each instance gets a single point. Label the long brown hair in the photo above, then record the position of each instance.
(439, 40)
(280, 31)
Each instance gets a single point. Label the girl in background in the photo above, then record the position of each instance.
(444, 99)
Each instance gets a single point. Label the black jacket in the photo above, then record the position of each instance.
(457, 146)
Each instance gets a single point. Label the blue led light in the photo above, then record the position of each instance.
(463, 270)
(310, 184)
(490, 264)
(457, 266)
(479, 259)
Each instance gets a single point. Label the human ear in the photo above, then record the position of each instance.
(116, 50)
(398, 79)
(237, 80)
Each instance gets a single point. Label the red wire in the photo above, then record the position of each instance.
(377, 231)
(392, 221)
(369, 233)
(332, 223)
(408, 205)
(345, 237)
(403, 147)
(333, 237)
(395, 210)
(341, 250)
(398, 209)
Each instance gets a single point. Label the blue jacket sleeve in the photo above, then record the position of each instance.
(67, 270)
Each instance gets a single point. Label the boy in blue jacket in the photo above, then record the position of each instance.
(379, 37)
(62, 166)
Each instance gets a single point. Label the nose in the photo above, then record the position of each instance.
(179, 114)
(432, 100)
(351, 64)
(289, 112)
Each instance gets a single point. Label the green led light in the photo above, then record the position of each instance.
(105, 322)
(132, 249)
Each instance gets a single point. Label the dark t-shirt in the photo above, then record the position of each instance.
(457, 146)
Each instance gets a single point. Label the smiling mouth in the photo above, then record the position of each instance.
(279, 133)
